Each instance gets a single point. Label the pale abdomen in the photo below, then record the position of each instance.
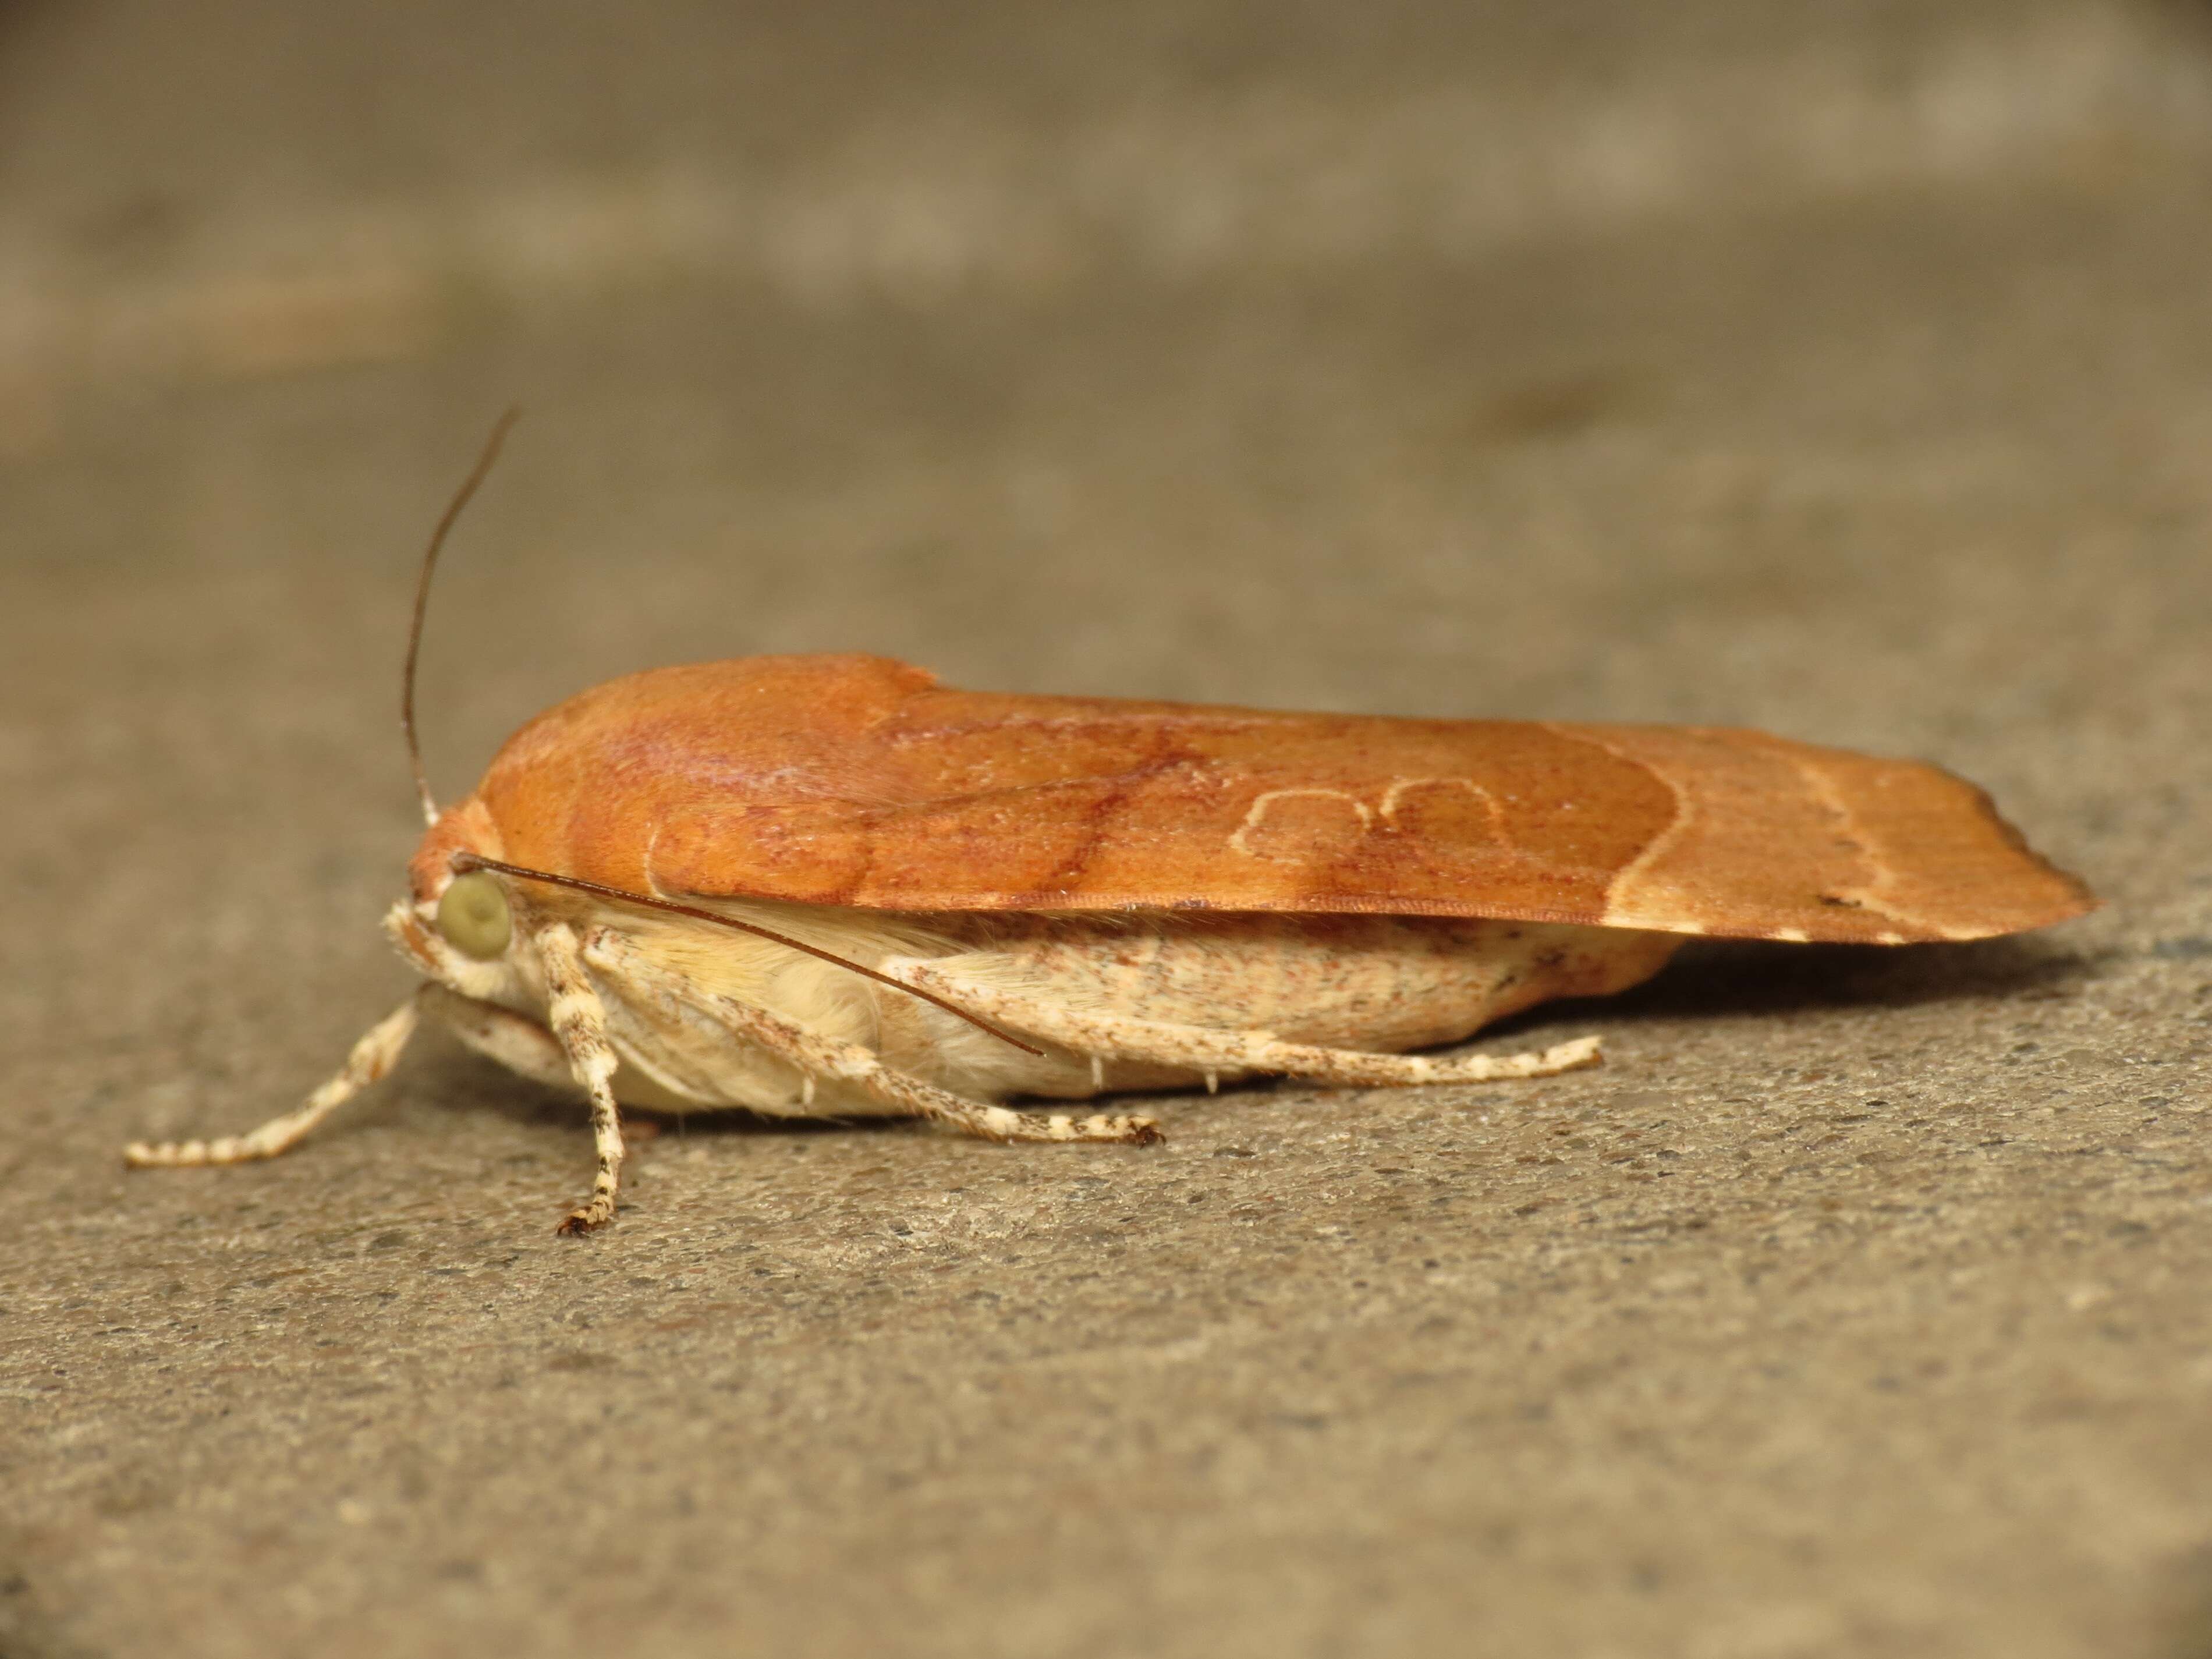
(1384, 984)
(1380, 984)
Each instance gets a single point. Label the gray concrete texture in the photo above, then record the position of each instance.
(1842, 369)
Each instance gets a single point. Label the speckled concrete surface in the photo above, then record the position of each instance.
(1858, 1305)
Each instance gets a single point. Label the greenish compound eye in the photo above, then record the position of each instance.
(473, 914)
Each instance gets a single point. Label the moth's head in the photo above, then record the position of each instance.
(469, 910)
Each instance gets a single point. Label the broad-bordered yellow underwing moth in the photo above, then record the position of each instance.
(829, 886)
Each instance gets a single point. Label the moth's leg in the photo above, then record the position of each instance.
(1201, 1048)
(817, 1056)
(515, 1040)
(580, 1026)
(376, 1053)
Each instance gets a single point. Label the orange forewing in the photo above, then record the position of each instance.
(860, 782)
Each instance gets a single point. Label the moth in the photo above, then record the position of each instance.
(829, 885)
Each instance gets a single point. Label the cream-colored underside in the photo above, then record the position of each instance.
(1381, 984)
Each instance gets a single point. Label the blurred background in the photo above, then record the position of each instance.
(1842, 367)
(1348, 354)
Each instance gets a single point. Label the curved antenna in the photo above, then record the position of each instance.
(423, 603)
(460, 863)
